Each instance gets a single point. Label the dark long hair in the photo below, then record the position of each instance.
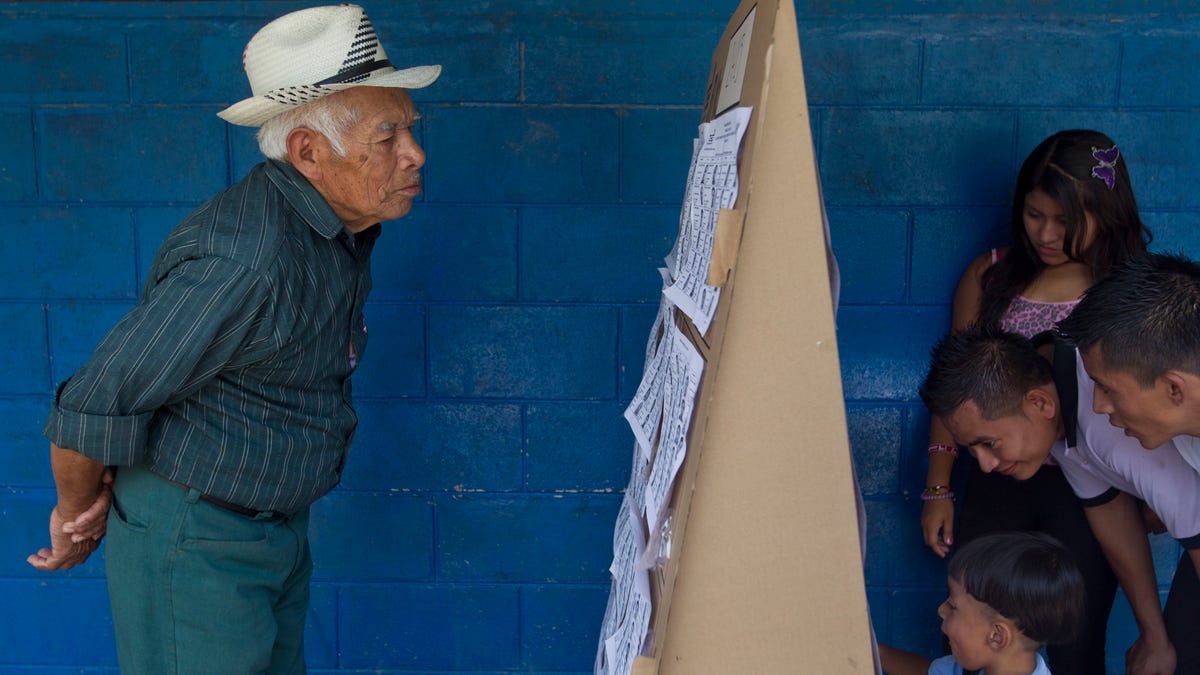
(1062, 166)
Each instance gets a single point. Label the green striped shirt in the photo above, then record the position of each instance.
(232, 373)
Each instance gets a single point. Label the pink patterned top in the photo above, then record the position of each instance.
(1030, 317)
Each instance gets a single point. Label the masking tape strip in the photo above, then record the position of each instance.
(727, 237)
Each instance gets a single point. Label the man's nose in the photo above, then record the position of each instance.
(987, 462)
(411, 154)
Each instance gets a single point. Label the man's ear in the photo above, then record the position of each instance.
(1043, 401)
(304, 148)
(1182, 388)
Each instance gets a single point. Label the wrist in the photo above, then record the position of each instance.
(936, 492)
(1154, 636)
(942, 449)
(67, 513)
(71, 505)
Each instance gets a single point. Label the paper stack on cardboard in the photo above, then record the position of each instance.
(737, 549)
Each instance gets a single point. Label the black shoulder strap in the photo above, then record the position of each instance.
(1042, 339)
(1064, 380)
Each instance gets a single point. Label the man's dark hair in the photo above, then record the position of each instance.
(986, 365)
(1145, 315)
(1027, 577)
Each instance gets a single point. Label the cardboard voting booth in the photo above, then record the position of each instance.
(737, 549)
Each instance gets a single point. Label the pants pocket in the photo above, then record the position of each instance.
(126, 515)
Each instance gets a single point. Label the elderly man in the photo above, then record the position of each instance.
(223, 399)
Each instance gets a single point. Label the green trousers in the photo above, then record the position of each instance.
(198, 589)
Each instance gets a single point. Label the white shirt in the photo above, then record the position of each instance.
(1104, 458)
(1189, 447)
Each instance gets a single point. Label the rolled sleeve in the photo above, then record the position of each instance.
(198, 318)
(108, 439)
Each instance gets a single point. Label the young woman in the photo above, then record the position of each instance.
(1074, 216)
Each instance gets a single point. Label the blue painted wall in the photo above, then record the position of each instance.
(471, 532)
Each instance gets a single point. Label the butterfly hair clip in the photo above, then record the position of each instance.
(1106, 170)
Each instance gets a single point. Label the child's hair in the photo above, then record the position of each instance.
(986, 365)
(1027, 577)
(1145, 315)
(1071, 167)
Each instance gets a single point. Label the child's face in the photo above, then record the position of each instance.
(968, 625)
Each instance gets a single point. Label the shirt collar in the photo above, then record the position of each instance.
(304, 198)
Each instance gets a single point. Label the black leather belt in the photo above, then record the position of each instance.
(235, 508)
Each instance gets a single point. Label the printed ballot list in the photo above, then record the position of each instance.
(660, 413)
(712, 185)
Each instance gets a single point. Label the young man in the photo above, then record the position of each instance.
(998, 397)
(223, 398)
(1138, 330)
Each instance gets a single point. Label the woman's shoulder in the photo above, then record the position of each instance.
(982, 262)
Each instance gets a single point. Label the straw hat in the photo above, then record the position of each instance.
(312, 53)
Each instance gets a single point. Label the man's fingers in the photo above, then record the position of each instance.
(44, 560)
(94, 515)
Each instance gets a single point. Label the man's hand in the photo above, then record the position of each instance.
(937, 524)
(64, 553)
(1119, 528)
(1150, 657)
(93, 522)
(73, 541)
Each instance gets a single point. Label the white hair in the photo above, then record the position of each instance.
(328, 116)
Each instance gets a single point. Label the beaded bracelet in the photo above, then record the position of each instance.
(942, 447)
(936, 492)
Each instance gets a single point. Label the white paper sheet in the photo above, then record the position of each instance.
(712, 186)
(620, 640)
(735, 63)
(684, 366)
(644, 412)
(621, 648)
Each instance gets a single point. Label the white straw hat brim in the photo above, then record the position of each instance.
(256, 110)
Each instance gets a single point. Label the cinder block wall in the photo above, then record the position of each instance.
(471, 532)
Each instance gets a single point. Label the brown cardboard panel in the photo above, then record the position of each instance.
(765, 574)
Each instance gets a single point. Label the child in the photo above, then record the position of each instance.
(1074, 216)
(1010, 593)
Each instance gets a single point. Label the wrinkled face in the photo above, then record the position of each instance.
(1145, 413)
(379, 177)
(1016, 445)
(967, 624)
(1046, 226)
